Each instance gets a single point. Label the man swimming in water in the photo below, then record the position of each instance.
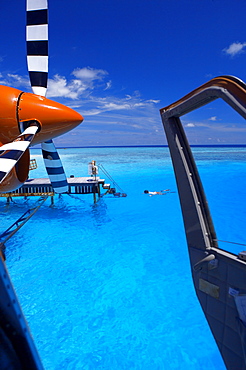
(162, 192)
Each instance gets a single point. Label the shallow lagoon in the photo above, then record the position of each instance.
(108, 285)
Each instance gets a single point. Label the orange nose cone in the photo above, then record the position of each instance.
(56, 119)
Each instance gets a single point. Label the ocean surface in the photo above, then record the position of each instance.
(108, 285)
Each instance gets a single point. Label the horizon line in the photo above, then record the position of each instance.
(141, 146)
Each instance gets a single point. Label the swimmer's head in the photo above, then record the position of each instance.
(146, 191)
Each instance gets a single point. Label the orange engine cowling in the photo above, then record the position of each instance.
(17, 108)
(18, 175)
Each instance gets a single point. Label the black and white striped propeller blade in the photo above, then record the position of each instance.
(54, 167)
(37, 61)
(10, 153)
(37, 44)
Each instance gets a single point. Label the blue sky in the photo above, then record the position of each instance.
(117, 62)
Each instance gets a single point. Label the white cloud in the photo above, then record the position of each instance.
(214, 118)
(128, 102)
(86, 92)
(92, 112)
(190, 125)
(60, 87)
(153, 101)
(235, 48)
(15, 81)
(89, 74)
(108, 85)
(84, 82)
(116, 106)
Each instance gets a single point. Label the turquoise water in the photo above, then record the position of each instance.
(108, 285)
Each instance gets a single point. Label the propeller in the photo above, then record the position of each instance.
(37, 62)
(37, 118)
(11, 153)
(37, 44)
(54, 167)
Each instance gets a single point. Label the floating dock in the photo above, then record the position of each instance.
(76, 185)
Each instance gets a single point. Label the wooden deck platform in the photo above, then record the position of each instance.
(76, 185)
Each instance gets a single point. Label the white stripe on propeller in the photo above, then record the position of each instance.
(37, 33)
(39, 63)
(15, 145)
(36, 4)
